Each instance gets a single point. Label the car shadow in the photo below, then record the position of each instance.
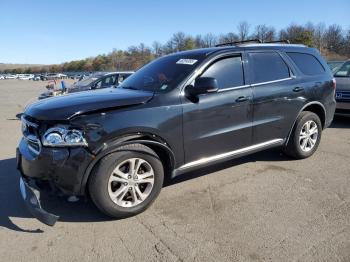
(341, 122)
(12, 205)
(270, 155)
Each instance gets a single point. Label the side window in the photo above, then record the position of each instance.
(98, 84)
(267, 67)
(308, 64)
(108, 81)
(228, 72)
(344, 70)
(121, 78)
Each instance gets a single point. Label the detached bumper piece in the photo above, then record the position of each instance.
(31, 197)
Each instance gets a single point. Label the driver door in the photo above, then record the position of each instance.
(219, 122)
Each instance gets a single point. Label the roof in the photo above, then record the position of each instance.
(243, 47)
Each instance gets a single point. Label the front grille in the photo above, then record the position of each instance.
(30, 134)
(342, 95)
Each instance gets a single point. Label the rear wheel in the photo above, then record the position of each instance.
(126, 182)
(305, 136)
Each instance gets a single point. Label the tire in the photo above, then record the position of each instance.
(113, 174)
(296, 147)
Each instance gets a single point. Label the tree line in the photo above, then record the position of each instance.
(333, 42)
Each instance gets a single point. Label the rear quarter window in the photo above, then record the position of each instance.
(307, 64)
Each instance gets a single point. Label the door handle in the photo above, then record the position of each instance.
(242, 99)
(298, 89)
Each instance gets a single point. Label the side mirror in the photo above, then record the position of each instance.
(203, 85)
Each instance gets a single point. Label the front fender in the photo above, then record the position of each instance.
(112, 146)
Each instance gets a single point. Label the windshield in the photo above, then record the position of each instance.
(163, 74)
(85, 82)
(344, 70)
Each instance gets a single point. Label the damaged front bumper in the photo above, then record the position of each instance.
(31, 197)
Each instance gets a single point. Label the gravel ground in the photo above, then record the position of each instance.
(264, 207)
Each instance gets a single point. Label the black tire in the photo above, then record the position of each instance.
(98, 181)
(293, 148)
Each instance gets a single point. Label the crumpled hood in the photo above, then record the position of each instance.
(66, 106)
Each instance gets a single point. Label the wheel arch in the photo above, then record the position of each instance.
(156, 143)
(314, 107)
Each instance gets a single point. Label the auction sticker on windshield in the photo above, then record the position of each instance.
(186, 61)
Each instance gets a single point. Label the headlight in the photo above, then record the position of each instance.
(60, 137)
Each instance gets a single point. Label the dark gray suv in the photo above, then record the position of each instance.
(178, 113)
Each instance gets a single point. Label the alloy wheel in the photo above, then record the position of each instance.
(131, 182)
(308, 136)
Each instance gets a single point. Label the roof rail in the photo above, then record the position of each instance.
(284, 41)
(239, 42)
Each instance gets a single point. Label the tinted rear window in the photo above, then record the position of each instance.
(267, 67)
(308, 64)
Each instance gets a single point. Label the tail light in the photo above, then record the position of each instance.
(334, 83)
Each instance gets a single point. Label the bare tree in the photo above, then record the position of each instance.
(333, 38)
(264, 33)
(227, 38)
(198, 41)
(243, 30)
(209, 40)
(296, 34)
(157, 49)
(346, 50)
(318, 36)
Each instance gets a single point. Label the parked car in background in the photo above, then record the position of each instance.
(37, 77)
(25, 76)
(342, 94)
(62, 76)
(98, 81)
(178, 113)
(53, 76)
(93, 82)
(8, 76)
(334, 65)
(2, 77)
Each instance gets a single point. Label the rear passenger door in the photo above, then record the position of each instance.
(277, 97)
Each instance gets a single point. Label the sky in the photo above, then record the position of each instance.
(47, 32)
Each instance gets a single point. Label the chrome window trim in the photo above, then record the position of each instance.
(256, 84)
(231, 153)
(232, 88)
(273, 81)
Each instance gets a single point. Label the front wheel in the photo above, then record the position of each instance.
(305, 136)
(126, 182)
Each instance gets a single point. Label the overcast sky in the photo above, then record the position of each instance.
(48, 32)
